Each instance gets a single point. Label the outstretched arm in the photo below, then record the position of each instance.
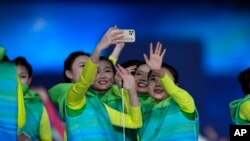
(117, 50)
(180, 96)
(76, 96)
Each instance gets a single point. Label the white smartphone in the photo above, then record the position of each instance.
(129, 35)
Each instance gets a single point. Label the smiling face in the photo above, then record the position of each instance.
(23, 74)
(141, 78)
(156, 90)
(105, 76)
(76, 69)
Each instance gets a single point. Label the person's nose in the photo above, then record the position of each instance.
(144, 77)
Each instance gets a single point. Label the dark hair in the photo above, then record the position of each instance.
(129, 63)
(6, 58)
(244, 80)
(22, 61)
(102, 58)
(171, 69)
(69, 62)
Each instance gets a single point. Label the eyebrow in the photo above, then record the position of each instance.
(107, 68)
(81, 63)
(153, 75)
(139, 71)
(23, 73)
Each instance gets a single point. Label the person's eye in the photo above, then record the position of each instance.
(152, 79)
(108, 71)
(23, 76)
(138, 73)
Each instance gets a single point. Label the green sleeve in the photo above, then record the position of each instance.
(76, 99)
(245, 111)
(180, 96)
(131, 120)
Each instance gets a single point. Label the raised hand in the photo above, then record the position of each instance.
(131, 68)
(129, 84)
(156, 57)
(118, 78)
(128, 79)
(112, 36)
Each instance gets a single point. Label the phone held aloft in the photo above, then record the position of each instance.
(129, 35)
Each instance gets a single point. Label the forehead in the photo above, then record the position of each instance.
(104, 64)
(143, 68)
(80, 59)
(166, 71)
(22, 69)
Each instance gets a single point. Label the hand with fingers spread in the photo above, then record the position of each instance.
(155, 58)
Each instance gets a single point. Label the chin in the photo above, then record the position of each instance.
(142, 90)
(158, 97)
(105, 88)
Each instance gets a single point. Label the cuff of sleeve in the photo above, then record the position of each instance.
(137, 116)
(113, 59)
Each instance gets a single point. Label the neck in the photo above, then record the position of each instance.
(142, 94)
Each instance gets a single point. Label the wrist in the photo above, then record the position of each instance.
(159, 72)
(98, 48)
(132, 90)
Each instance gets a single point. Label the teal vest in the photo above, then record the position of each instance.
(113, 99)
(92, 125)
(235, 110)
(57, 95)
(8, 101)
(34, 109)
(167, 124)
(143, 98)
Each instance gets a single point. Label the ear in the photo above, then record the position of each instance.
(69, 74)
